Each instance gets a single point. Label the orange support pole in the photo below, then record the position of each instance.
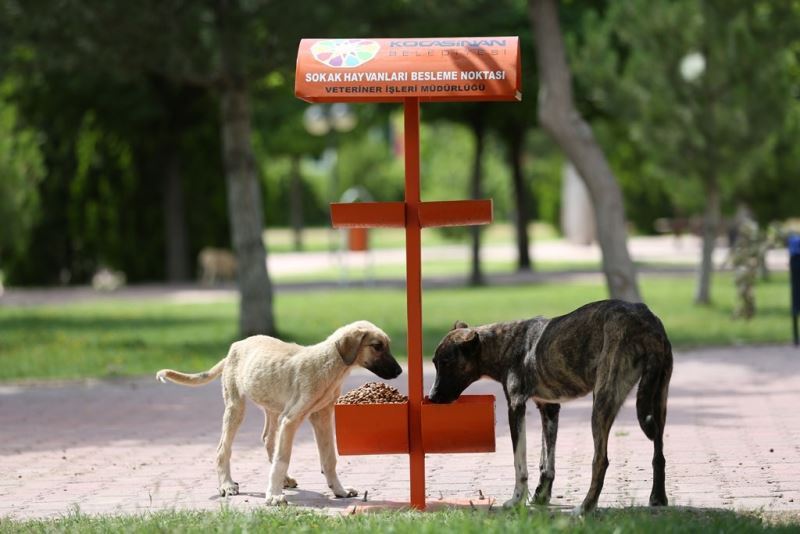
(414, 302)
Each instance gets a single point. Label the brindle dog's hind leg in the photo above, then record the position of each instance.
(547, 460)
(608, 399)
(658, 496)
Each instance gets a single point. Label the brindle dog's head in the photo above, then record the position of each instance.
(457, 363)
(362, 343)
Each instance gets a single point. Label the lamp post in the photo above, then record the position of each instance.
(327, 120)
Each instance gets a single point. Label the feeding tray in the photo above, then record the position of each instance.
(372, 428)
(466, 425)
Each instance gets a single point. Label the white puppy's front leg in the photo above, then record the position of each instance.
(322, 421)
(516, 421)
(280, 464)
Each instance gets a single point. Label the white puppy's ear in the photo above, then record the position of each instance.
(460, 324)
(349, 344)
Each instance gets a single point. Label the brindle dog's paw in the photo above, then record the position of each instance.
(541, 496)
(276, 500)
(520, 497)
(541, 499)
(583, 510)
(229, 488)
(289, 482)
(658, 500)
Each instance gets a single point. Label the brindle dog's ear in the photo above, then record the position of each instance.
(471, 343)
(349, 344)
(459, 324)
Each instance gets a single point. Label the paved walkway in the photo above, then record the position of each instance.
(672, 256)
(732, 441)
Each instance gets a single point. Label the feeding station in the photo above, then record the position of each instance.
(410, 71)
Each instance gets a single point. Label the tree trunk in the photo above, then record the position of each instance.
(245, 209)
(176, 240)
(711, 219)
(296, 203)
(516, 138)
(559, 118)
(479, 130)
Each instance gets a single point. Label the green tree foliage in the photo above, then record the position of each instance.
(702, 89)
(773, 190)
(21, 170)
(106, 139)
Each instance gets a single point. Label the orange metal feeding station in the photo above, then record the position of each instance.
(412, 70)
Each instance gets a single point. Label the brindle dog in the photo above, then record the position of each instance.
(604, 347)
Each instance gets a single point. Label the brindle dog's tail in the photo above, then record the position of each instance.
(651, 397)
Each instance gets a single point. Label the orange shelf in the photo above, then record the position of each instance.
(466, 425)
(368, 215)
(455, 213)
(371, 428)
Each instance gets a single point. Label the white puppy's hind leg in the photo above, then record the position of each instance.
(268, 437)
(231, 419)
(287, 428)
(322, 421)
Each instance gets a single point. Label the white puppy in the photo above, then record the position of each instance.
(290, 382)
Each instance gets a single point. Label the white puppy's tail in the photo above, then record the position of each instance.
(196, 379)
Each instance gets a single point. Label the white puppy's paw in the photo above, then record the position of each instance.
(289, 482)
(344, 493)
(340, 491)
(229, 488)
(276, 500)
(578, 511)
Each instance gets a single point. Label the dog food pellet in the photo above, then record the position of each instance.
(373, 393)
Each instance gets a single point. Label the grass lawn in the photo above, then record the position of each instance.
(104, 339)
(288, 520)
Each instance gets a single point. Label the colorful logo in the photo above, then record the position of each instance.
(344, 53)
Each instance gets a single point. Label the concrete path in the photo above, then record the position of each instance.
(732, 441)
(668, 250)
(672, 256)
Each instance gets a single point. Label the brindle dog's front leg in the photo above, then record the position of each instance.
(547, 460)
(516, 421)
